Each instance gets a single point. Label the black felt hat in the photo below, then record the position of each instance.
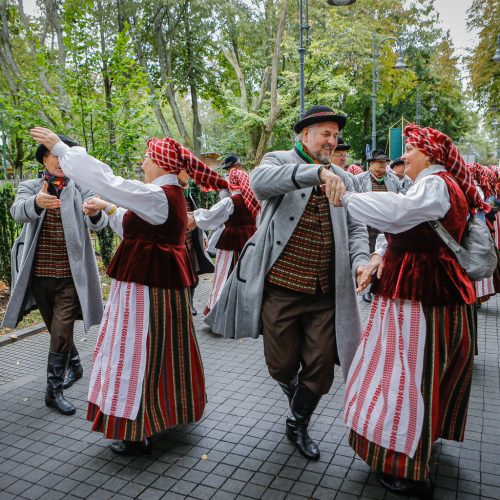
(319, 114)
(341, 145)
(231, 161)
(377, 155)
(41, 149)
(396, 162)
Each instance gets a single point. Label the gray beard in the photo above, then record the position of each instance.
(324, 160)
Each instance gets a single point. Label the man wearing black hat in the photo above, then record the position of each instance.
(398, 169)
(339, 155)
(294, 282)
(376, 178)
(54, 268)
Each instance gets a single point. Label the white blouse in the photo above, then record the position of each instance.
(217, 215)
(428, 199)
(148, 201)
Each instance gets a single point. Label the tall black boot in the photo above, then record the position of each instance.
(75, 369)
(290, 388)
(304, 403)
(56, 368)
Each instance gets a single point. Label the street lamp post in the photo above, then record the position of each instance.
(304, 34)
(375, 76)
(494, 123)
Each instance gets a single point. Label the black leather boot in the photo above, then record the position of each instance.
(75, 369)
(289, 388)
(304, 403)
(56, 368)
(132, 447)
(407, 487)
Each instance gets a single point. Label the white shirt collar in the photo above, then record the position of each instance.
(433, 169)
(166, 180)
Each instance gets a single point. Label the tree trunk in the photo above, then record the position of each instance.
(273, 114)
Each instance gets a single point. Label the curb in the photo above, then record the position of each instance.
(21, 334)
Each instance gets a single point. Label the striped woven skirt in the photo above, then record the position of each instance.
(173, 391)
(225, 262)
(445, 389)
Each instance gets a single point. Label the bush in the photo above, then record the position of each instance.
(9, 230)
(106, 239)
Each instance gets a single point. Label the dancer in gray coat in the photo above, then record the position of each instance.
(295, 280)
(54, 269)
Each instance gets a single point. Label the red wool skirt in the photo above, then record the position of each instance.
(174, 383)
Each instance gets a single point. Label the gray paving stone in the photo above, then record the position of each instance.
(46, 455)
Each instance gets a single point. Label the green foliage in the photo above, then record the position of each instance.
(9, 230)
(106, 240)
(122, 64)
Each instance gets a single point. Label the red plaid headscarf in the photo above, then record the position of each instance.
(240, 181)
(355, 169)
(173, 157)
(485, 177)
(440, 148)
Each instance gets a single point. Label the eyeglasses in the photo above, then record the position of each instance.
(340, 155)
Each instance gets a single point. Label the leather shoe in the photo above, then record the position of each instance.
(132, 447)
(75, 369)
(407, 487)
(367, 297)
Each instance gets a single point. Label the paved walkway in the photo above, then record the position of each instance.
(45, 455)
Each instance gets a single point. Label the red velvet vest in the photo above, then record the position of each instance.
(239, 228)
(155, 255)
(419, 266)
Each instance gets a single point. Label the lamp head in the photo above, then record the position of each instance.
(400, 64)
(340, 3)
(496, 57)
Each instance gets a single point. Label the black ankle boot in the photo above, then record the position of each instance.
(289, 388)
(407, 487)
(75, 369)
(56, 368)
(132, 447)
(303, 404)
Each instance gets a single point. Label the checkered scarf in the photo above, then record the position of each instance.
(173, 157)
(440, 148)
(240, 181)
(485, 178)
(354, 169)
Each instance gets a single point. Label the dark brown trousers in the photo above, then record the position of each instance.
(59, 306)
(299, 337)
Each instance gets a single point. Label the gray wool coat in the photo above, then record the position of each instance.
(283, 184)
(363, 183)
(81, 254)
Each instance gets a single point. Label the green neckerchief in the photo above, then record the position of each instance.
(381, 181)
(303, 153)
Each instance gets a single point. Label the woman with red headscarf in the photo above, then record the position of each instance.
(485, 180)
(238, 214)
(410, 380)
(147, 373)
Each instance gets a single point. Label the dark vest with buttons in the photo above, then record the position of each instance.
(239, 228)
(155, 255)
(306, 264)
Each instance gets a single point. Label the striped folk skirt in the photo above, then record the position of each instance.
(225, 262)
(445, 388)
(173, 391)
